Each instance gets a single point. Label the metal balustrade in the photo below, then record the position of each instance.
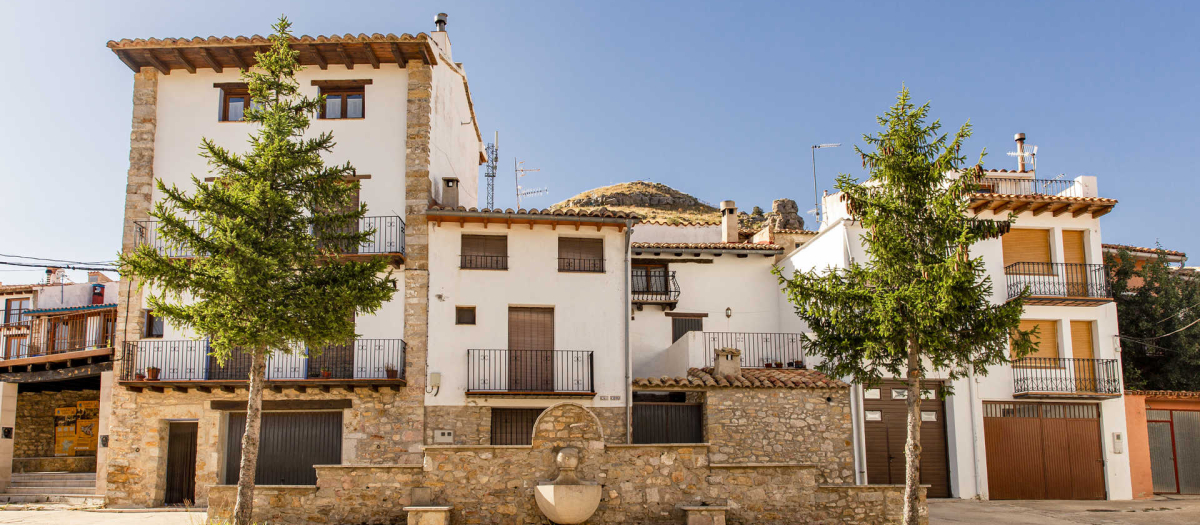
(1058, 280)
(759, 349)
(387, 237)
(1056, 187)
(568, 264)
(191, 360)
(61, 334)
(1064, 375)
(653, 288)
(530, 371)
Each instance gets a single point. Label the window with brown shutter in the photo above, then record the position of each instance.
(1081, 340)
(1073, 247)
(580, 255)
(1046, 339)
(464, 315)
(484, 252)
(1030, 248)
(513, 426)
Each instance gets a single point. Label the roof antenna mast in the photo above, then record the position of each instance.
(816, 211)
(493, 159)
(519, 171)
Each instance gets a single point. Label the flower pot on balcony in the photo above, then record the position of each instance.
(769, 365)
(152, 373)
(139, 377)
(326, 373)
(392, 373)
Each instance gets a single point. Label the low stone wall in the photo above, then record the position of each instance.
(33, 433)
(55, 464)
(643, 484)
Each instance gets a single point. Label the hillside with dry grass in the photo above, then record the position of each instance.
(648, 199)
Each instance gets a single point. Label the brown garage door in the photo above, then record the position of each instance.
(1043, 451)
(886, 415)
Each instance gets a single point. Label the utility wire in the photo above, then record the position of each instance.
(55, 260)
(65, 267)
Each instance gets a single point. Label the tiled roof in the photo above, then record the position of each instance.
(705, 246)
(14, 288)
(598, 213)
(811, 232)
(348, 38)
(1116, 247)
(1055, 198)
(72, 308)
(1006, 171)
(1163, 393)
(750, 378)
(665, 222)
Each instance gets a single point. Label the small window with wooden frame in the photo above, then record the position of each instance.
(484, 252)
(650, 278)
(464, 315)
(235, 99)
(577, 254)
(154, 325)
(344, 99)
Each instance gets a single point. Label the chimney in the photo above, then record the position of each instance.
(54, 275)
(450, 192)
(97, 294)
(728, 362)
(729, 222)
(1020, 138)
(439, 21)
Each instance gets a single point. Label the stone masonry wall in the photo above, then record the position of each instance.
(33, 434)
(418, 195)
(472, 425)
(139, 189)
(643, 484)
(768, 425)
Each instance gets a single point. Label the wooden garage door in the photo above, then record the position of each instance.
(290, 443)
(1043, 451)
(885, 423)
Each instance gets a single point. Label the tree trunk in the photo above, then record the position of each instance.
(912, 448)
(244, 506)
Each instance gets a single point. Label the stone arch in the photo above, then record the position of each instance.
(567, 423)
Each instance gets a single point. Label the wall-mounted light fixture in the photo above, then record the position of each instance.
(728, 313)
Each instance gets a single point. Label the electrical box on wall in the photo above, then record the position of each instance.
(443, 437)
(1118, 443)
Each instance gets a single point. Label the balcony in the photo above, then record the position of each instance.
(181, 363)
(59, 338)
(571, 264)
(483, 262)
(1059, 284)
(1056, 187)
(494, 372)
(655, 288)
(1053, 377)
(1017, 195)
(759, 349)
(387, 239)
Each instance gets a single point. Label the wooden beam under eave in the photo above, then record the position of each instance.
(158, 64)
(180, 389)
(1045, 206)
(1102, 211)
(204, 389)
(128, 60)
(425, 55)
(398, 54)
(227, 389)
(186, 64)
(341, 51)
(210, 59)
(374, 60)
(979, 206)
(1019, 209)
(277, 389)
(238, 60)
(321, 63)
(1007, 206)
(1060, 210)
(156, 389)
(1082, 211)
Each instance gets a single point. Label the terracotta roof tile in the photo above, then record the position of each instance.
(705, 246)
(665, 222)
(598, 213)
(750, 378)
(126, 43)
(1163, 393)
(797, 231)
(14, 288)
(1041, 197)
(1116, 247)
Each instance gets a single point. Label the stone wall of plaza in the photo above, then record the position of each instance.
(642, 483)
(472, 425)
(33, 435)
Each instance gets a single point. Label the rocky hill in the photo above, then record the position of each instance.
(657, 201)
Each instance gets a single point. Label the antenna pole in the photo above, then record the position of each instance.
(493, 156)
(816, 196)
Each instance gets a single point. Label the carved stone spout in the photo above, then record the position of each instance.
(566, 499)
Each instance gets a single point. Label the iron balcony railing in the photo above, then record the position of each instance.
(388, 237)
(61, 334)
(652, 288)
(1055, 375)
(1089, 281)
(1059, 188)
(530, 371)
(191, 360)
(483, 262)
(568, 264)
(759, 349)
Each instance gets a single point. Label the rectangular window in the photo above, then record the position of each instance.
(14, 310)
(235, 99)
(1046, 341)
(680, 326)
(650, 278)
(344, 102)
(13, 346)
(154, 325)
(580, 255)
(484, 252)
(1029, 247)
(513, 426)
(464, 315)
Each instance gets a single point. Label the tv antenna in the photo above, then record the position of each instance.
(816, 211)
(519, 171)
(493, 158)
(1022, 153)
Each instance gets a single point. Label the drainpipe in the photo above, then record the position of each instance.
(625, 297)
(856, 427)
(971, 384)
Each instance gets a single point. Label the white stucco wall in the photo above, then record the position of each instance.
(588, 307)
(453, 131)
(666, 233)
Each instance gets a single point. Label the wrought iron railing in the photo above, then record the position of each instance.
(1058, 280)
(536, 371)
(61, 334)
(1060, 188)
(192, 360)
(483, 262)
(660, 287)
(568, 264)
(759, 349)
(1042, 375)
(387, 237)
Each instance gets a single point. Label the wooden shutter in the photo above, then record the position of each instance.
(484, 245)
(1081, 340)
(1073, 247)
(531, 349)
(1046, 338)
(1025, 245)
(576, 248)
(680, 326)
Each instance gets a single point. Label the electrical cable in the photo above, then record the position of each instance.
(56, 260)
(65, 267)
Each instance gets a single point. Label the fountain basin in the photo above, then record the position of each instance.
(568, 504)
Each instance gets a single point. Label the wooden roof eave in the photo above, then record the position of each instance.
(463, 217)
(217, 56)
(1039, 204)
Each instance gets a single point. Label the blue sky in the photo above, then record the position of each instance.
(718, 99)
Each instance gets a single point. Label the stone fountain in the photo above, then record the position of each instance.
(566, 499)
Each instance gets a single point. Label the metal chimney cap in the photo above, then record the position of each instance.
(440, 21)
(1019, 137)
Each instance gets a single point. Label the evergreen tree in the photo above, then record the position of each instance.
(262, 282)
(1158, 313)
(920, 302)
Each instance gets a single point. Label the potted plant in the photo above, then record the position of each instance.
(769, 364)
(391, 371)
(152, 373)
(778, 364)
(140, 376)
(326, 373)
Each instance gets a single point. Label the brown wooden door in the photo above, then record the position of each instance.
(1043, 451)
(530, 349)
(885, 426)
(181, 464)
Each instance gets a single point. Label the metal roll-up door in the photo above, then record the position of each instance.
(1043, 451)
(290, 444)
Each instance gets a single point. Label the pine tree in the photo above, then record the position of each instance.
(1158, 312)
(920, 302)
(266, 234)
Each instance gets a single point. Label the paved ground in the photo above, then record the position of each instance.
(64, 515)
(1159, 511)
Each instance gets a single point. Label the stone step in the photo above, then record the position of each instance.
(53, 476)
(50, 491)
(53, 498)
(53, 483)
